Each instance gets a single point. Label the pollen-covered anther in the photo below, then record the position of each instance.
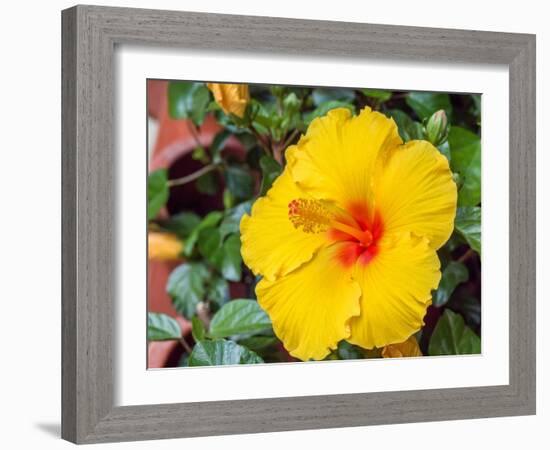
(310, 215)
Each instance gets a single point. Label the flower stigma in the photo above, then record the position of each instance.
(315, 217)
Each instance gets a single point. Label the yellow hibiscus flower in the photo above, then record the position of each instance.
(232, 98)
(346, 238)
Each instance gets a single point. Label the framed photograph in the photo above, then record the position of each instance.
(268, 230)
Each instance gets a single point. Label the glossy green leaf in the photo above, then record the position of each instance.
(198, 331)
(258, 343)
(452, 337)
(271, 169)
(182, 224)
(468, 225)
(187, 287)
(324, 95)
(454, 274)
(217, 290)
(228, 199)
(408, 129)
(424, 104)
(466, 160)
(218, 144)
(187, 100)
(239, 316)
(377, 94)
(209, 241)
(349, 351)
(157, 192)
(221, 353)
(291, 113)
(239, 182)
(210, 220)
(207, 184)
(324, 108)
(475, 109)
(469, 307)
(232, 218)
(445, 151)
(161, 327)
(228, 258)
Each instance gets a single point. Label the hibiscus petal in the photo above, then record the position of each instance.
(396, 290)
(415, 192)
(271, 245)
(336, 158)
(310, 308)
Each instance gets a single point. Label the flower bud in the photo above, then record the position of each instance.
(164, 246)
(437, 127)
(409, 348)
(232, 98)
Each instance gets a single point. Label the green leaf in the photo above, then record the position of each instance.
(454, 274)
(349, 351)
(377, 94)
(291, 112)
(209, 241)
(182, 224)
(198, 331)
(445, 150)
(199, 154)
(469, 307)
(187, 287)
(161, 327)
(475, 109)
(324, 108)
(466, 160)
(228, 199)
(408, 129)
(232, 218)
(228, 260)
(424, 104)
(324, 95)
(452, 337)
(157, 192)
(188, 100)
(221, 353)
(271, 169)
(218, 144)
(217, 290)
(239, 182)
(258, 343)
(207, 184)
(239, 316)
(210, 220)
(468, 225)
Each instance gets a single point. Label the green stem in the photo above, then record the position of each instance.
(192, 177)
(290, 138)
(466, 256)
(185, 345)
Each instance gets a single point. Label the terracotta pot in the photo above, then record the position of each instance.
(175, 141)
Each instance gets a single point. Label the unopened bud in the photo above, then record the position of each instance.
(437, 128)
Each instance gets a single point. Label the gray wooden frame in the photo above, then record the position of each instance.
(90, 34)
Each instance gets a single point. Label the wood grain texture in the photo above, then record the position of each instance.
(89, 201)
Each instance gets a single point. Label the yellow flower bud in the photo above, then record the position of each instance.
(164, 246)
(402, 350)
(232, 98)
